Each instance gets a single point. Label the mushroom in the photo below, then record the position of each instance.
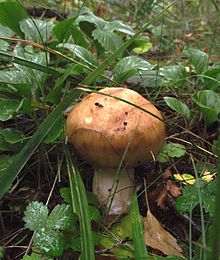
(114, 137)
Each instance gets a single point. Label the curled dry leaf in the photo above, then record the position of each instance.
(157, 237)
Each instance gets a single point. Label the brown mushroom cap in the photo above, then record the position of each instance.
(102, 129)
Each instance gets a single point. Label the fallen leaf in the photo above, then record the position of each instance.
(161, 198)
(173, 189)
(157, 237)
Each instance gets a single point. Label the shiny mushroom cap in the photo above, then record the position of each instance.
(104, 130)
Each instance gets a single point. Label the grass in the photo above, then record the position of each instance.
(185, 61)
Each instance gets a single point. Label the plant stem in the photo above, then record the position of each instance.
(114, 190)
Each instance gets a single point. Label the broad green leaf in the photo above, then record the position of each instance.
(4, 46)
(11, 13)
(5, 31)
(23, 156)
(178, 106)
(87, 16)
(63, 30)
(120, 27)
(81, 53)
(34, 256)
(61, 218)
(174, 74)
(212, 78)
(37, 30)
(12, 135)
(129, 66)
(110, 41)
(14, 77)
(50, 242)
(198, 59)
(8, 108)
(4, 161)
(209, 104)
(140, 249)
(35, 215)
(5, 146)
(171, 150)
(141, 45)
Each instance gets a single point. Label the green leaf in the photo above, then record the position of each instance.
(22, 157)
(14, 77)
(198, 59)
(171, 150)
(178, 106)
(12, 135)
(4, 45)
(119, 26)
(141, 46)
(11, 13)
(8, 108)
(212, 78)
(87, 16)
(94, 214)
(129, 66)
(61, 218)
(50, 242)
(190, 198)
(209, 104)
(110, 41)
(55, 132)
(37, 30)
(81, 53)
(140, 249)
(63, 30)
(174, 74)
(5, 31)
(35, 215)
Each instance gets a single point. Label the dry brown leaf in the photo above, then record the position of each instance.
(173, 189)
(157, 237)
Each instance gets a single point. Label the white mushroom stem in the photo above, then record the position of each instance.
(114, 191)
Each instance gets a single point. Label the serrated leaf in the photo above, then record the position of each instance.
(178, 106)
(209, 104)
(61, 218)
(120, 27)
(11, 13)
(81, 53)
(110, 41)
(37, 30)
(171, 150)
(50, 242)
(35, 215)
(129, 66)
(8, 108)
(198, 59)
(87, 16)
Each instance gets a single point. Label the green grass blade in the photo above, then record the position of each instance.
(215, 255)
(6, 56)
(140, 249)
(21, 159)
(9, 175)
(80, 206)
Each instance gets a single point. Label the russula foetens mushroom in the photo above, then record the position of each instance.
(108, 133)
